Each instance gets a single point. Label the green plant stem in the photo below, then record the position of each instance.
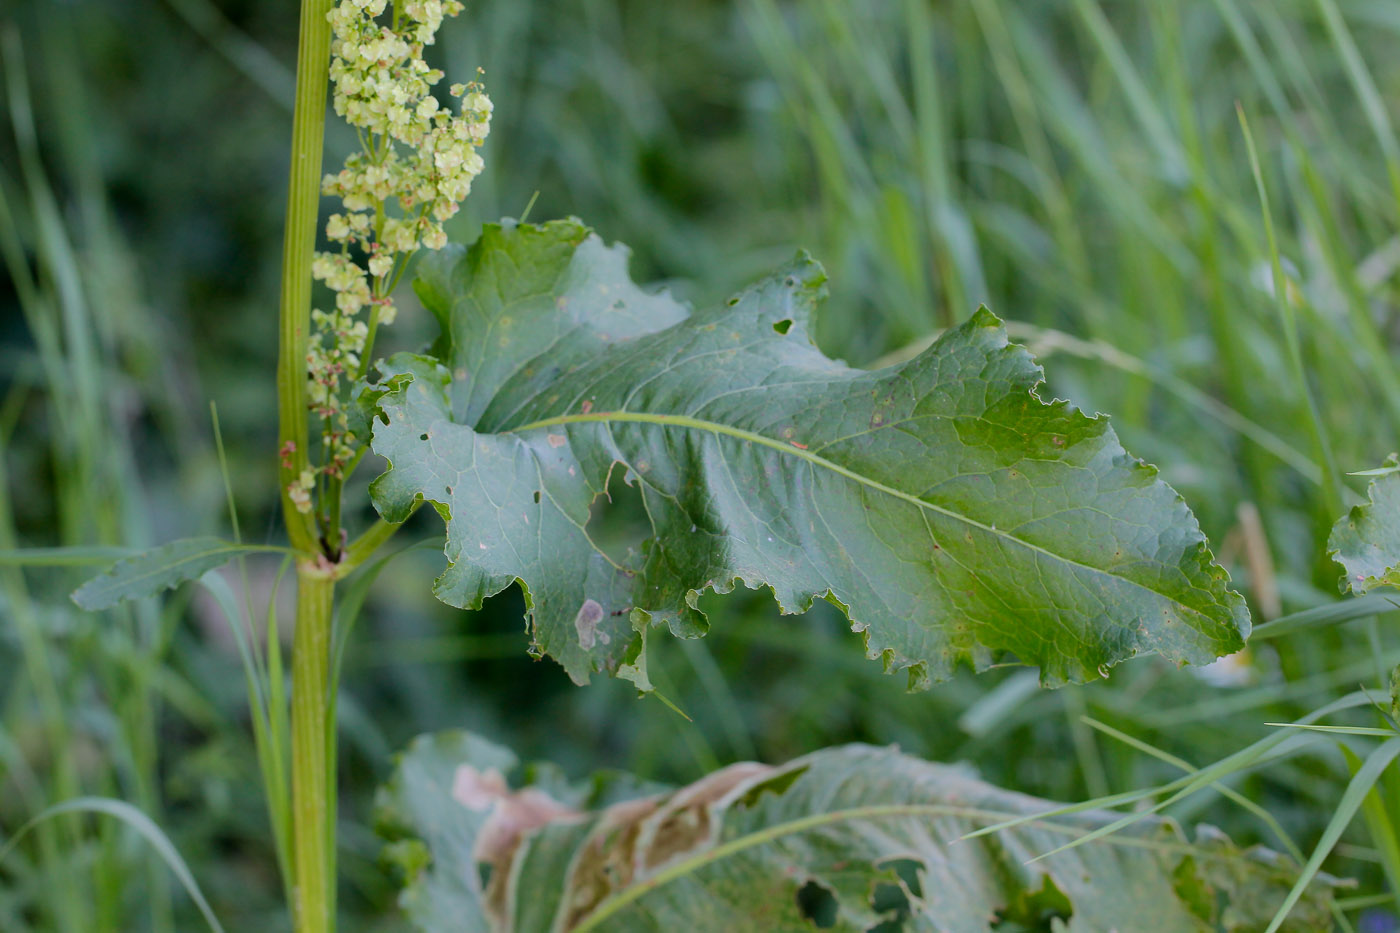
(299, 242)
(313, 825)
(312, 822)
(367, 354)
(371, 540)
(330, 504)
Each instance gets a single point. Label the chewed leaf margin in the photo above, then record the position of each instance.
(574, 343)
(482, 850)
(160, 568)
(1366, 541)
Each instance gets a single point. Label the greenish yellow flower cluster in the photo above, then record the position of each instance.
(414, 151)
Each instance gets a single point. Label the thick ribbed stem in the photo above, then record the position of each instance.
(312, 771)
(299, 242)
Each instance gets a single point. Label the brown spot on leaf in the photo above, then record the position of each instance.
(684, 822)
(607, 863)
(557, 440)
(512, 814)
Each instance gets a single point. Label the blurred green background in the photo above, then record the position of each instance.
(1076, 165)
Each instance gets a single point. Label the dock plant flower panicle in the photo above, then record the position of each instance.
(414, 152)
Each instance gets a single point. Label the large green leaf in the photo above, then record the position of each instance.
(950, 512)
(1366, 541)
(851, 836)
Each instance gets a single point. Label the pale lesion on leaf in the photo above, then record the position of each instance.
(635, 838)
(608, 863)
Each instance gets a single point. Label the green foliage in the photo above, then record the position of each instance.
(1075, 163)
(1366, 541)
(854, 836)
(951, 514)
(158, 569)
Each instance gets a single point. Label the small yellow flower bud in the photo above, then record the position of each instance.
(435, 238)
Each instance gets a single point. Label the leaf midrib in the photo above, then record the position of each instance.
(714, 427)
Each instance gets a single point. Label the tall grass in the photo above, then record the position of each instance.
(84, 716)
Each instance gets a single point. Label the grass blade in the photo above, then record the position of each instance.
(153, 834)
(1351, 801)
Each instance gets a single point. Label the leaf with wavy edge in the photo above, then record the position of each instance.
(878, 831)
(1366, 541)
(953, 515)
(161, 568)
